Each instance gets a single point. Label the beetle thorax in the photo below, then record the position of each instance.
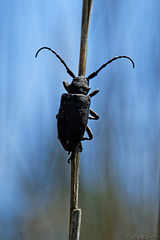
(79, 85)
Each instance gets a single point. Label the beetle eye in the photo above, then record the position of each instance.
(86, 88)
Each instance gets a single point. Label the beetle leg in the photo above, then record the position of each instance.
(69, 160)
(94, 93)
(80, 147)
(95, 116)
(90, 134)
(65, 84)
(73, 153)
(71, 157)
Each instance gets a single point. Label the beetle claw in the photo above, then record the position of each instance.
(71, 157)
(80, 147)
(69, 160)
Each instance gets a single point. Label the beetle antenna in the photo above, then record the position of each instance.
(62, 61)
(94, 74)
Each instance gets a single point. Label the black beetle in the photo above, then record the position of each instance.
(73, 115)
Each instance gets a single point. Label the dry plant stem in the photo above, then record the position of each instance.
(75, 213)
(76, 223)
(86, 15)
(158, 226)
(75, 166)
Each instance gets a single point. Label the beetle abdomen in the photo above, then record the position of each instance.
(72, 119)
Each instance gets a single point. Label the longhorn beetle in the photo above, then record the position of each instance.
(73, 115)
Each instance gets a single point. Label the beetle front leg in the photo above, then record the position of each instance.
(94, 92)
(90, 134)
(95, 116)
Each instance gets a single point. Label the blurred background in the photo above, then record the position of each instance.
(119, 174)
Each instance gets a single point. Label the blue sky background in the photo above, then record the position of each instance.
(128, 102)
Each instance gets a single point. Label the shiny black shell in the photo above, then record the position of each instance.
(72, 119)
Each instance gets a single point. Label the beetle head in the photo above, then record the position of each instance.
(79, 85)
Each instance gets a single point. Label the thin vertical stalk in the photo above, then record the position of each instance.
(86, 16)
(158, 226)
(75, 212)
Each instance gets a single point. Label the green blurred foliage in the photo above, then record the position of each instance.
(107, 211)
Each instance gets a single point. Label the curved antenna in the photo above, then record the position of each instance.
(94, 74)
(62, 61)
